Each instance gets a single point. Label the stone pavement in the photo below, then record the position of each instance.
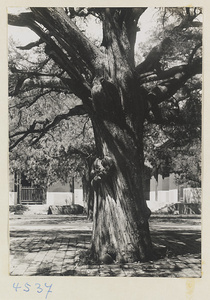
(48, 245)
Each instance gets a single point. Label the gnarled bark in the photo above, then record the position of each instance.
(120, 228)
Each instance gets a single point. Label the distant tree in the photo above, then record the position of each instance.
(63, 152)
(119, 96)
(177, 149)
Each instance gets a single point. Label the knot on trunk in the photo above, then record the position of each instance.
(107, 101)
(102, 169)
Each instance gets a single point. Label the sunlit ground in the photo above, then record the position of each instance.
(52, 245)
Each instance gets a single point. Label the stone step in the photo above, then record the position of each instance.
(37, 209)
(31, 203)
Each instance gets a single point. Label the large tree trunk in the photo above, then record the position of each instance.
(120, 230)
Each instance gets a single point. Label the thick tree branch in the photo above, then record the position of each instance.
(31, 45)
(172, 86)
(67, 32)
(194, 52)
(152, 61)
(21, 19)
(46, 126)
(75, 151)
(167, 89)
(64, 30)
(170, 120)
(172, 72)
(196, 24)
(24, 135)
(162, 75)
(28, 103)
(35, 73)
(130, 16)
(27, 82)
(77, 82)
(119, 31)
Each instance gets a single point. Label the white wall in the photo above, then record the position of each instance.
(12, 198)
(163, 198)
(78, 196)
(65, 198)
(59, 198)
(173, 196)
(161, 201)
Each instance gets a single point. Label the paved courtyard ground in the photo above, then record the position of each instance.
(48, 245)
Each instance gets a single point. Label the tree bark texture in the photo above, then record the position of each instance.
(120, 227)
(88, 192)
(120, 230)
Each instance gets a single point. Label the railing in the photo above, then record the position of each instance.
(30, 195)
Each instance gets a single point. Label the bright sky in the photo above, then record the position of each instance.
(24, 35)
(21, 35)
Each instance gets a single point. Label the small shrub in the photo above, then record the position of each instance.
(85, 257)
(18, 209)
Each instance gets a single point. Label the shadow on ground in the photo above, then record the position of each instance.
(54, 251)
(178, 243)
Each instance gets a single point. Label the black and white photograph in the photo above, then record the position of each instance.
(105, 141)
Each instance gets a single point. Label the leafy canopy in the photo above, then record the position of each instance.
(48, 118)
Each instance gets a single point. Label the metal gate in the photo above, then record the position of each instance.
(30, 195)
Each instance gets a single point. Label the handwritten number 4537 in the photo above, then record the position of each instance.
(39, 289)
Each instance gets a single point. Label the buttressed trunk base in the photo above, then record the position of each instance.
(120, 229)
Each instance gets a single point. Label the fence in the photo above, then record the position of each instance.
(30, 195)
